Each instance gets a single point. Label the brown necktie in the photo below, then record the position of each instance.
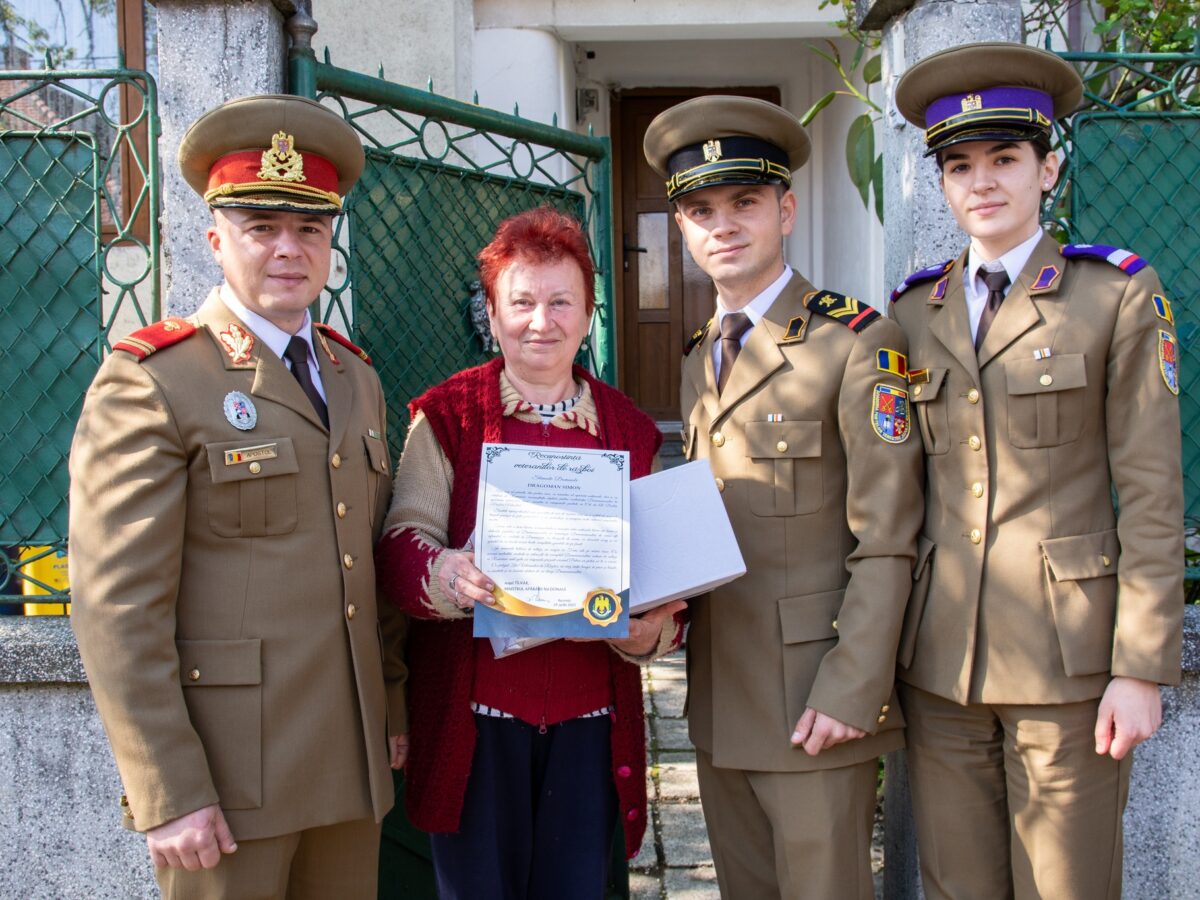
(733, 326)
(297, 354)
(996, 283)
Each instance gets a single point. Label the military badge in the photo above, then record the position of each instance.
(1162, 308)
(602, 607)
(1168, 360)
(889, 413)
(281, 161)
(938, 294)
(238, 343)
(240, 411)
(795, 329)
(712, 151)
(893, 362)
(1045, 280)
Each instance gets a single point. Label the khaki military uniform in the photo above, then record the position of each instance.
(223, 585)
(826, 512)
(1031, 591)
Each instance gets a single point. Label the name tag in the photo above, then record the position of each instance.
(249, 454)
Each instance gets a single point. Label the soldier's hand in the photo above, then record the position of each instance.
(646, 629)
(462, 583)
(1130, 711)
(195, 841)
(816, 731)
(397, 750)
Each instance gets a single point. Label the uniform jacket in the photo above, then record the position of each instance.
(1030, 587)
(225, 611)
(826, 512)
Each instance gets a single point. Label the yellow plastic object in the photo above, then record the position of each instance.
(49, 569)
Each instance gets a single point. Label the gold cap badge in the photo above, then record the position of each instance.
(280, 161)
(971, 103)
(712, 151)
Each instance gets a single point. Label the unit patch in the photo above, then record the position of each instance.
(1162, 308)
(240, 411)
(889, 413)
(892, 361)
(238, 343)
(1168, 360)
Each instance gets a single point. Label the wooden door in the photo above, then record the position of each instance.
(663, 297)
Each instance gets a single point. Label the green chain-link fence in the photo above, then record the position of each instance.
(79, 258)
(440, 176)
(1132, 180)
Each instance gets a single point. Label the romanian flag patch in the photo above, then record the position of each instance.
(1162, 308)
(893, 362)
(889, 413)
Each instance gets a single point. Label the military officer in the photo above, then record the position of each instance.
(1042, 620)
(229, 475)
(797, 398)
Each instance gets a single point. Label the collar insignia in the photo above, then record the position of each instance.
(238, 343)
(1045, 280)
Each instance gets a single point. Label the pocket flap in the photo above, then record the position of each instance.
(926, 391)
(925, 548)
(1082, 556)
(377, 452)
(1039, 376)
(220, 662)
(250, 459)
(783, 440)
(812, 617)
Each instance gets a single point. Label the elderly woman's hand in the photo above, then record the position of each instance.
(645, 630)
(462, 583)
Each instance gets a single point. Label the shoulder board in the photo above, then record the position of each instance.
(697, 337)
(920, 276)
(850, 312)
(153, 338)
(334, 335)
(1127, 262)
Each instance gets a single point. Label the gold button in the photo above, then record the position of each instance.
(781, 446)
(884, 708)
(348, 561)
(721, 485)
(973, 395)
(255, 468)
(336, 462)
(1104, 559)
(341, 510)
(974, 442)
(976, 536)
(351, 609)
(835, 624)
(718, 439)
(1047, 379)
(917, 391)
(881, 719)
(194, 675)
(977, 489)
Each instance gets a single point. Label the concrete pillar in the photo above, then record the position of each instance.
(209, 51)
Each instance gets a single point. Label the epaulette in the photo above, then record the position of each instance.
(153, 338)
(697, 337)
(1127, 262)
(850, 312)
(334, 335)
(920, 276)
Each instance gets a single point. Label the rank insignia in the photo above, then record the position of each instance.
(238, 343)
(1045, 280)
(938, 294)
(795, 329)
(850, 312)
(1162, 308)
(893, 362)
(240, 411)
(602, 607)
(1127, 262)
(1168, 360)
(889, 413)
(328, 331)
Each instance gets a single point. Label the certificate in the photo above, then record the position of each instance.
(552, 533)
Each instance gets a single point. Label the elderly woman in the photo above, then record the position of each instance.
(519, 766)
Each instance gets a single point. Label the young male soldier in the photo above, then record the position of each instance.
(1043, 379)
(229, 476)
(797, 398)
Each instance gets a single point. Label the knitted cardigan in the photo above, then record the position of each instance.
(464, 412)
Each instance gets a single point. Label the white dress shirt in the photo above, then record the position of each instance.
(755, 309)
(976, 290)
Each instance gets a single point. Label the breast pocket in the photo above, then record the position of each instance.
(929, 400)
(1045, 400)
(253, 490)
(784, 467)
(380, 473)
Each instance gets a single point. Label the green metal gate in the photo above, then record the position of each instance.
(440, 176)
(73, 267)
(1132, 180)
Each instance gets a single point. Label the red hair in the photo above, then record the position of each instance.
(541, 235)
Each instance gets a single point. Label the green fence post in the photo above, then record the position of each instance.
(606, 331)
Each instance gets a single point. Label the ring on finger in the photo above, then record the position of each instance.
(453, 579)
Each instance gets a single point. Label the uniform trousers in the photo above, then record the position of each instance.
(539, 814)
(339, 860)
(1012, 801)
(790, 835)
